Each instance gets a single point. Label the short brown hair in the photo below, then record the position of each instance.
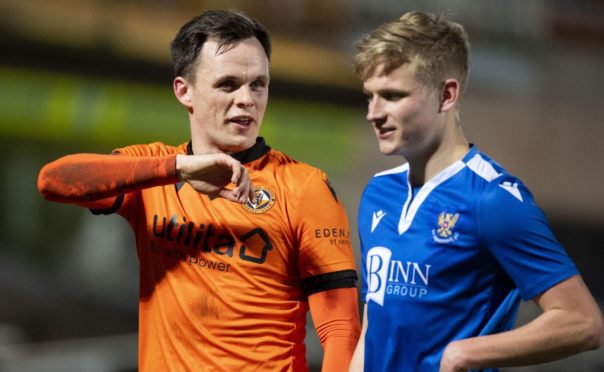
(228, 26)
(440, 48)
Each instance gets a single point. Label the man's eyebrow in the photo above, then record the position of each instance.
(390, 91)
(227, 77)
(393, 90)
(263, 77)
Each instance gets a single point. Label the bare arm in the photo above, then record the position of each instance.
(571, 322)
(93, 180)
(336, 317)
(358, 359)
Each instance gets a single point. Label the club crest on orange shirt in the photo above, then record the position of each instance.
(265, 200)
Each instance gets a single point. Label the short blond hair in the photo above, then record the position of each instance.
(438, 46)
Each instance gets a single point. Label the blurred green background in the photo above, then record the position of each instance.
(93, 75)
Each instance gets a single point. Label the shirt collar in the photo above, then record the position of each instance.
(258, 150)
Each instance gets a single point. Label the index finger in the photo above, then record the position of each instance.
(228, 194)
(245, 187)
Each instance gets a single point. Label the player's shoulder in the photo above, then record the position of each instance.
(291, 167)
(498, 187)
(504, 193)
(390, 182)
(393, 177)
(150, 149)
(482, 167)
(299, 179)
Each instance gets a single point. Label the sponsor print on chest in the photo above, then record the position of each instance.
(393, 271)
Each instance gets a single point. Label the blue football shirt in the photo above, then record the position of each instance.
(450, 260)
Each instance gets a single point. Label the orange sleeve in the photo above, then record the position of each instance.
(322, 230)
(335, 314)
(94, 180)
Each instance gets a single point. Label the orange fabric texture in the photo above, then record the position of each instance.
(94, 180)
(335, 314)
(221, 282)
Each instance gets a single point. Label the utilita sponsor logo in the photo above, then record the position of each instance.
(252, 246)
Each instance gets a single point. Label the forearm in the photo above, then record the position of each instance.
(338, 351)
(83, 178)
(543, 340)
(357, 364)
(336, 317)
(571, 323)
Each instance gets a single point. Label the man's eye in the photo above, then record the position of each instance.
(227, 86)
(258, 84)
(393, 96)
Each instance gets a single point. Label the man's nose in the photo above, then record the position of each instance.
(374, 110)
(243, 97)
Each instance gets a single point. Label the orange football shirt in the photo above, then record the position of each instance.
(224, 286)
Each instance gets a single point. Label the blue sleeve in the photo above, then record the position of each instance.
(516, 232)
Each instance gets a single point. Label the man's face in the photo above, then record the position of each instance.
(229, 96)
(404, 113)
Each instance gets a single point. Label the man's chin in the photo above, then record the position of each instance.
(238, 144)
(387, 149)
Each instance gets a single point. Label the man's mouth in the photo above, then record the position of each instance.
(242, 120)
(384, 130)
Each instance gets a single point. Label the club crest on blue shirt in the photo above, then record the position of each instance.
(264, 200)
(446, 223)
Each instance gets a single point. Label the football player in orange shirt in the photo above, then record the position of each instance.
(236, 241)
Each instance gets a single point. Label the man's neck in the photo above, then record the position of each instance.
(201, 147)
(426, 166)
(259, 149)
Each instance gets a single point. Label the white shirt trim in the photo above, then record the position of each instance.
(410, 209)
(483, 168)
(400, 169)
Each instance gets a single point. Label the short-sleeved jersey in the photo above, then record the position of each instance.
(224, 286)
(449, 260)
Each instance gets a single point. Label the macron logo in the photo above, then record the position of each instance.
(377, 217)
(512, 189)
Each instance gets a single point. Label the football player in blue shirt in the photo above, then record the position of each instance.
(451, 242)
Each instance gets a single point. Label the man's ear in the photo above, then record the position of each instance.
(182, 91)
(450, 92)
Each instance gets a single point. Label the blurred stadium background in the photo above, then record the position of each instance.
(92, 75)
